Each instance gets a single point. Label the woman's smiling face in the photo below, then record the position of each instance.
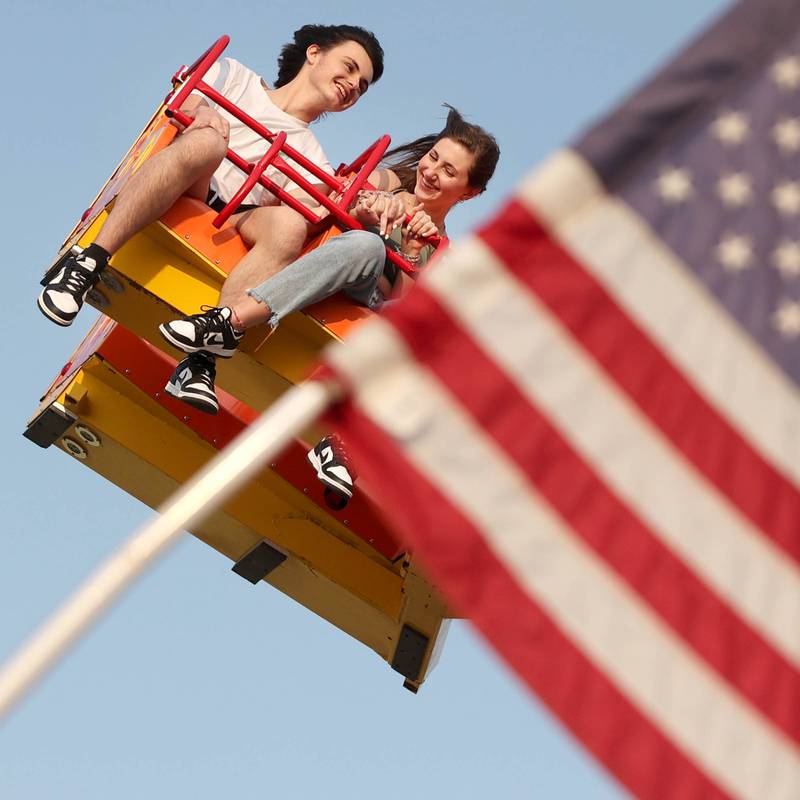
(443, 175)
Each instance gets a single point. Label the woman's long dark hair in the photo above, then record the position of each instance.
(403, 160)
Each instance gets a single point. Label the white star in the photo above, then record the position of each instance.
(675, 185)
(786, 318)
(735, 253)
(786, 197)
(735, 189)
(786, 258)
(786, 72)
(786, 134)
(731, 127)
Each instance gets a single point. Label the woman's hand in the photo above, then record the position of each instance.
(381, 209)
(419, 227)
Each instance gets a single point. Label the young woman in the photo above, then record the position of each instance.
(425, 179)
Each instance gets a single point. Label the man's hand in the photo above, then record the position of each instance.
(206, 117)
(381, 209)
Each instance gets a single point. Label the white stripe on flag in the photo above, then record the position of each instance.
(656, 290)
(709, 722)
(624, 449)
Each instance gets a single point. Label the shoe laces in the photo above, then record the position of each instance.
(77, 279)
(203, 369)
(211, 317)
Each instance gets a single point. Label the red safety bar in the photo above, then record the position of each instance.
(190, 79)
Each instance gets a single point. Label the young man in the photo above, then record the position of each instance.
(326, 68)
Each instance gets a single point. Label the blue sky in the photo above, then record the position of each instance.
(198, 683)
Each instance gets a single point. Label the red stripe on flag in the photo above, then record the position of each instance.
(476, 582)
(645, 373)
(731, 646)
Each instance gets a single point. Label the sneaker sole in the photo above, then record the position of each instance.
(339, 488)
(217, 350)
(51, 316)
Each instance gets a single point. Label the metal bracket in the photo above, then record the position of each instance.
(255, 565)
(50, 425)
(410, 653)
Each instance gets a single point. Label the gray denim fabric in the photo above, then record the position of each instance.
(352, 261)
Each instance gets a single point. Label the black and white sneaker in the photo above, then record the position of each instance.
(332, 466)
(210, 331)
(193, 382)
(65, 291)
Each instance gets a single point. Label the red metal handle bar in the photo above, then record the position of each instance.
(367, 166)
(367, 161)
(267, 134)
(346, 169)
(278, 163)
(246, 167)
(196, 72)
(337, 210)
(250, 182)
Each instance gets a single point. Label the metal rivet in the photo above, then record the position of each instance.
(216, 261)
(127, 371)
(158, 394)
(305, 490)
(186, 419)
(185, 235)
(371, 541)
(272, 466)
(347, 522)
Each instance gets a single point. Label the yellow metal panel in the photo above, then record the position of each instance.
(179, 453)
(224, 533)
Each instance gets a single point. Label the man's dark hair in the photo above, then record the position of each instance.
(293, 55)
(403, 160)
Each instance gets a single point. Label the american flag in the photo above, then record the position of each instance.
(586, 421)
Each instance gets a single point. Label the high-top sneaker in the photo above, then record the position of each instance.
(193, 382)
(210, 331)
(65, 292)
(333, 467)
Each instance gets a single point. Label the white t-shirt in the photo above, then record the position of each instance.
(243, 87)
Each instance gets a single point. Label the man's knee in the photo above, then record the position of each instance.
(204, 148)
(279, 227)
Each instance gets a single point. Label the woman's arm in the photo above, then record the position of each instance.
(384, 180)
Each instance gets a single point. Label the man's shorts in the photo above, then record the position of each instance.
(218, 203)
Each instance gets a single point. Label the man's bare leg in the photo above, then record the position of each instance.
(185, 166)
(275, 236)
(187, 163)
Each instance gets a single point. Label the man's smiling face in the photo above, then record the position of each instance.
(341, 74)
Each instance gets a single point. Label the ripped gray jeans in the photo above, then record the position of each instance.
(352, 262)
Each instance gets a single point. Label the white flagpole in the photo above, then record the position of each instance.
(217, 481)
